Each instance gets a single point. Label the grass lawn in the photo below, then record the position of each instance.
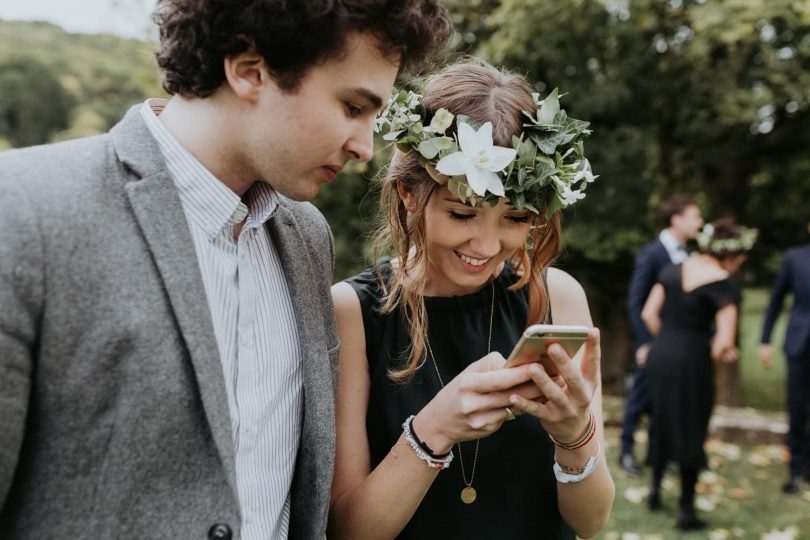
(740, 497)
(761, 388)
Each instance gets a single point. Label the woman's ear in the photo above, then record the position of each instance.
(407, 197)
(246, 74)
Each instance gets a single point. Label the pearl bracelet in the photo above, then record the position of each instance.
(572, 475)
(434, 462)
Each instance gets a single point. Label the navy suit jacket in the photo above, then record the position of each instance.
(794, 276)
(650, 260)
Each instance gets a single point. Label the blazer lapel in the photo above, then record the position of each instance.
(159, 212)
(308, 306)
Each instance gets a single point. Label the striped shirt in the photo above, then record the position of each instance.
(255, 329)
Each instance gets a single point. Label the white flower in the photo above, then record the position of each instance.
(584, 171)
(440, 121)
(392, 135)
(567, 195)
(479, 159)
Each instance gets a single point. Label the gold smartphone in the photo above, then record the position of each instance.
(536, 339)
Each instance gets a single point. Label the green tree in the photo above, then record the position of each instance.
(708, 98)
(33, 104)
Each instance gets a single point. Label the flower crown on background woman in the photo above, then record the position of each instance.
(546, 167)
(743, 241)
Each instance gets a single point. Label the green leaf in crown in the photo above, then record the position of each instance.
(545, 170)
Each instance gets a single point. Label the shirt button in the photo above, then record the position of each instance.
(220, 531)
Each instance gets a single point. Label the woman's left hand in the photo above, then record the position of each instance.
(565, 411)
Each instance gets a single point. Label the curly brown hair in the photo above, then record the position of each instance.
(292, 36)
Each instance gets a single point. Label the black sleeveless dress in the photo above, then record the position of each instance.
(517, 491)
(680, 370)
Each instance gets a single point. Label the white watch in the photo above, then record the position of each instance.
(568, 478)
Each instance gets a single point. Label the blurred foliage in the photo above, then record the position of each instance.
(710, 98)
(76, 84)
(33, 104)
(684, 96)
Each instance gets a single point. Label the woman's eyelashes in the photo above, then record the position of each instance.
(461, 216)
(519, 218)
(467, 216)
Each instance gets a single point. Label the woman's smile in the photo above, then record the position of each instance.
(473, 264)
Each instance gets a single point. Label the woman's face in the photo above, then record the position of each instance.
(465, 245)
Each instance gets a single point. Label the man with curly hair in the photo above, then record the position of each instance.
(168, 355)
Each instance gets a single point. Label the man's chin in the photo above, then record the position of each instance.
(301, 192)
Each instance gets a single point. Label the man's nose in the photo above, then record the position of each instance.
(361, 143)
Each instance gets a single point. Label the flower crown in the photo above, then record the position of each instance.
(546, 167)
(744, 240)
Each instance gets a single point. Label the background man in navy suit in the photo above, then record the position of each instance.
(681, 219)
(794, 276)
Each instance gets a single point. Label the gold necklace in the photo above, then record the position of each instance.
(468, 493)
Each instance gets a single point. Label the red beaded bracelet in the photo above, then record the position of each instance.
(584, 439)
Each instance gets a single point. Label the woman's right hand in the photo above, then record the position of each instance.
(471, 406)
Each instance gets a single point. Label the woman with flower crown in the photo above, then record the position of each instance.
(435, 437)
(692, 312)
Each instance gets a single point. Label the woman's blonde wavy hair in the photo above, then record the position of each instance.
(485, 94)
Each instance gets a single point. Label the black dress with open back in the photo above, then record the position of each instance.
(680, 370)
(513, 476)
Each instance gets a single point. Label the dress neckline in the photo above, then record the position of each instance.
(474, 300)
(690, 291)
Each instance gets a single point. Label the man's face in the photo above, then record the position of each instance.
(297, 141)
(688, 223)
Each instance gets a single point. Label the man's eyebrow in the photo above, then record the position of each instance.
(374, 100)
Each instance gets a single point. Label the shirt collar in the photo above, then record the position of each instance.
(676, 250)
(209, 203)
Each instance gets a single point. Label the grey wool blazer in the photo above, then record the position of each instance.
(114, 420)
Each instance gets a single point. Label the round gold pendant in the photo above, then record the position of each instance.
(468, 495)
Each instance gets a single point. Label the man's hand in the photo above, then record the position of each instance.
(641, 355)
(765, 353)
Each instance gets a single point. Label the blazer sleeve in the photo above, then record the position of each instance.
(645, 273)
(780, 288)
(21, 300)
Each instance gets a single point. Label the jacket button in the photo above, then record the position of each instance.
(220, 531)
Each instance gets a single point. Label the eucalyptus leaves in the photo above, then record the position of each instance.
(545, 170)
(744, 241)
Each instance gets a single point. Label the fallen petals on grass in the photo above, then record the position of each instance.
(759, 460)
(719, 534)
(762, 456)
(731, 452)
(740, 494)
(790, 533)
(635, 495)
(706, 504)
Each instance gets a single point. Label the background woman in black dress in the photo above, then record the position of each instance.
(692, 312)
(424, 335)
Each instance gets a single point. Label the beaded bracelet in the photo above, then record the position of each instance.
(422, 451)
(584, 439)
(572, 475)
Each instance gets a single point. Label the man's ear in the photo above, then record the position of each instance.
(246, 74)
